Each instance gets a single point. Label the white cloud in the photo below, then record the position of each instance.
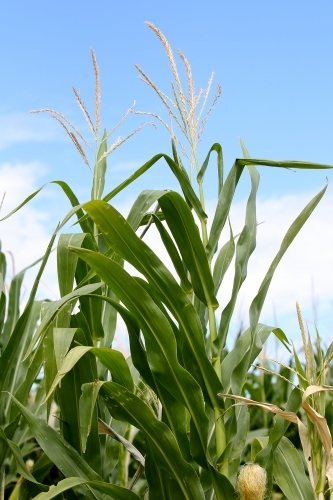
(26, 234)
(24, 127)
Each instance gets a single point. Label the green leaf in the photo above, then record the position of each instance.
(66, 261)
(87, 407)
(62, 339)
(186, 234)
(85, 223)
(124, 241)
(100, 170)
(174, 255)
(124, 405)
(223, 261)
(235, 365)
(159, 339)
(215, 147)
(258, 301)
(3, 301)
(112, 491)
(89, 306)
(179, 174)
(21, 467)
(281, 425)
(139, 355)
(13, 308)
(49, 361)
(223, 208)
(289, 472)
(157, 478)
(8, 355)
(28, 378)
(64, 456)
(305, 165)
(22, 374)
(244, 249)
(105, 429)
(279, 334)
(141, 206)
(112, 360)
(54, 309)
(223, 488)
(68, 398)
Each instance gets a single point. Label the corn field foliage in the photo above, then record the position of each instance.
(79, 420)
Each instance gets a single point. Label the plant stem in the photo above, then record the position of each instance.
(124, 460)
(203, 223)
(220, 437)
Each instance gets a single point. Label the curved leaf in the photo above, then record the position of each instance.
(141, 205)
(55, 308)
(84, 223)
(174, 255)
(223, 261)
(289, 472)
(113, 360)
(215, 147)
(179, 174)
(9, 353)
(258, 301)
(124, 241)
(112, 491)
(244, 249)
(185, 232)
(124, 405)
(64, 456)
(159, 339)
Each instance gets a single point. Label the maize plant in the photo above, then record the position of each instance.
(153, 425)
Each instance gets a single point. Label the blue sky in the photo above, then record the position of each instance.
(273, 59)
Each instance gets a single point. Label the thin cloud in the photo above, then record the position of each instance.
(23, 127)
(25, 235)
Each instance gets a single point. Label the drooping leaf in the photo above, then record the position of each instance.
(126, 406)
(179, 174)
(124, 241)
(244, 249)
(174, 255)
(66, 458)
(113, 360)
(55, 308)
(111, 490)
(185, 232)
(159, 339)
(9, 353)
(215, 147)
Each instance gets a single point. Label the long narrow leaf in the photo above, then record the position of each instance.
(185, 232)
(179, 174)
(159, 339)
(124, 241)
(244, 249)
(124, 405)
(258, 301)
